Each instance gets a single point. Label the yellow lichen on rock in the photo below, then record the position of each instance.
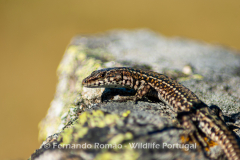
(67, 136)
(126, 154)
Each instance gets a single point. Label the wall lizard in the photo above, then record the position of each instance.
(192, 112)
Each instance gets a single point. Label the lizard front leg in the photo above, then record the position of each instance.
(143, 89)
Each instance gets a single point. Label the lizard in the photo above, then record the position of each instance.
(192, 112)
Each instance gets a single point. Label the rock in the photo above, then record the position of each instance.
(79, 126)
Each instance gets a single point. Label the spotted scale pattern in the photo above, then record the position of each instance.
(169, 90)
(214, 127)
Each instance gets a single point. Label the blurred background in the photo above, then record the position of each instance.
(35, 34)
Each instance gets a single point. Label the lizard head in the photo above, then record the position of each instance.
(108, 77)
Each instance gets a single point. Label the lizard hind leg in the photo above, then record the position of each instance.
(191, 133)
(189, 128)
(215, 110)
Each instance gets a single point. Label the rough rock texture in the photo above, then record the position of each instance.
(79, 126)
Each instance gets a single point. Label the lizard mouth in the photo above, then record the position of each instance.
(92, 83)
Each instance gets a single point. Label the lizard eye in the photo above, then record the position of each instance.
(102, 75)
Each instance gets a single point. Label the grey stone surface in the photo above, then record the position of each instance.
(211, 72)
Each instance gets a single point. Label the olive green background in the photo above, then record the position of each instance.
(34, 35)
